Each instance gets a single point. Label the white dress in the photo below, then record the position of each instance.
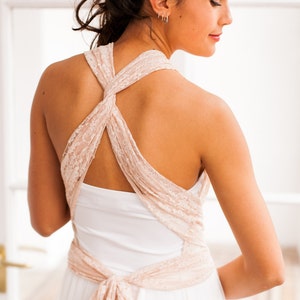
(132, 246)
(118, 230)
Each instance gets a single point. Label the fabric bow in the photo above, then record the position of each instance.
(113, 288)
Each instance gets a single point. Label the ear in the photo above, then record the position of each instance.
(161, 7)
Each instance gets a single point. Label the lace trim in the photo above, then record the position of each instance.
(180, 272)
(176, 208)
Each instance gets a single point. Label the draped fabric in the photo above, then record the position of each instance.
(176, 208)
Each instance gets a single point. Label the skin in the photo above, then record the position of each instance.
(179, 128)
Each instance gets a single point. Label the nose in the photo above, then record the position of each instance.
(226, 18)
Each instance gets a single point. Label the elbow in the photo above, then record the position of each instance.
(267, 275)
(279, 280)
(273, 277)
(44, 231)
(46, 224)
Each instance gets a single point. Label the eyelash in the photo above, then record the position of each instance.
(215, 3)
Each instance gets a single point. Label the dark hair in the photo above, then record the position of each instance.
(114, 16)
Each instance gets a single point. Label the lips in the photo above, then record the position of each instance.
(216, 37)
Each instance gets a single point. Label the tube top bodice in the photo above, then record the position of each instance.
(117, 229)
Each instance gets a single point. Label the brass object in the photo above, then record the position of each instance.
(5, 264)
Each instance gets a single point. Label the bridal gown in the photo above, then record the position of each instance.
(141, 245)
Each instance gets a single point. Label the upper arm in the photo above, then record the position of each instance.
(228, 164)
(46, 193)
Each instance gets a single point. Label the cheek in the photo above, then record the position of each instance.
(189, 30)
(197, 25)
(197, 34)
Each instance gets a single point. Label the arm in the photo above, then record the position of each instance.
(46, 194)
(227, 161)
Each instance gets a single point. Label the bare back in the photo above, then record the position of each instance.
(159, 110)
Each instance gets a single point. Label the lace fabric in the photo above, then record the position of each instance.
(178, 209)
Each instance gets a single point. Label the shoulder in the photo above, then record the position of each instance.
(203, 107)
(199, 111)
(212, 109)
(211, 116)
(65, 72)
(66, 88)
(62, 82)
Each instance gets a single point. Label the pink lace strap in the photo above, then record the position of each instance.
(179, 210)
(84, 141)
(176, 208)
(191, 268)
(101, 63)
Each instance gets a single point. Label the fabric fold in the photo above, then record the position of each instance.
(113, 288)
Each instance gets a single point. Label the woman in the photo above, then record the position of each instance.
(122, 145)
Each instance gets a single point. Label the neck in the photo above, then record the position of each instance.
(144, 35)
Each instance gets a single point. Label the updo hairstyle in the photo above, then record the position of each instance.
(112, 17)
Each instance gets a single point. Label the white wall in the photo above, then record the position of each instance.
(256, 69)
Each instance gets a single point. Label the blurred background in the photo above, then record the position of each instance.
(256, 70)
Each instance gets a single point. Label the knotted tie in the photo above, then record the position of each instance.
(113, 288)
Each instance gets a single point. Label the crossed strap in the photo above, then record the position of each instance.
(177, 209)
(84, 141)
